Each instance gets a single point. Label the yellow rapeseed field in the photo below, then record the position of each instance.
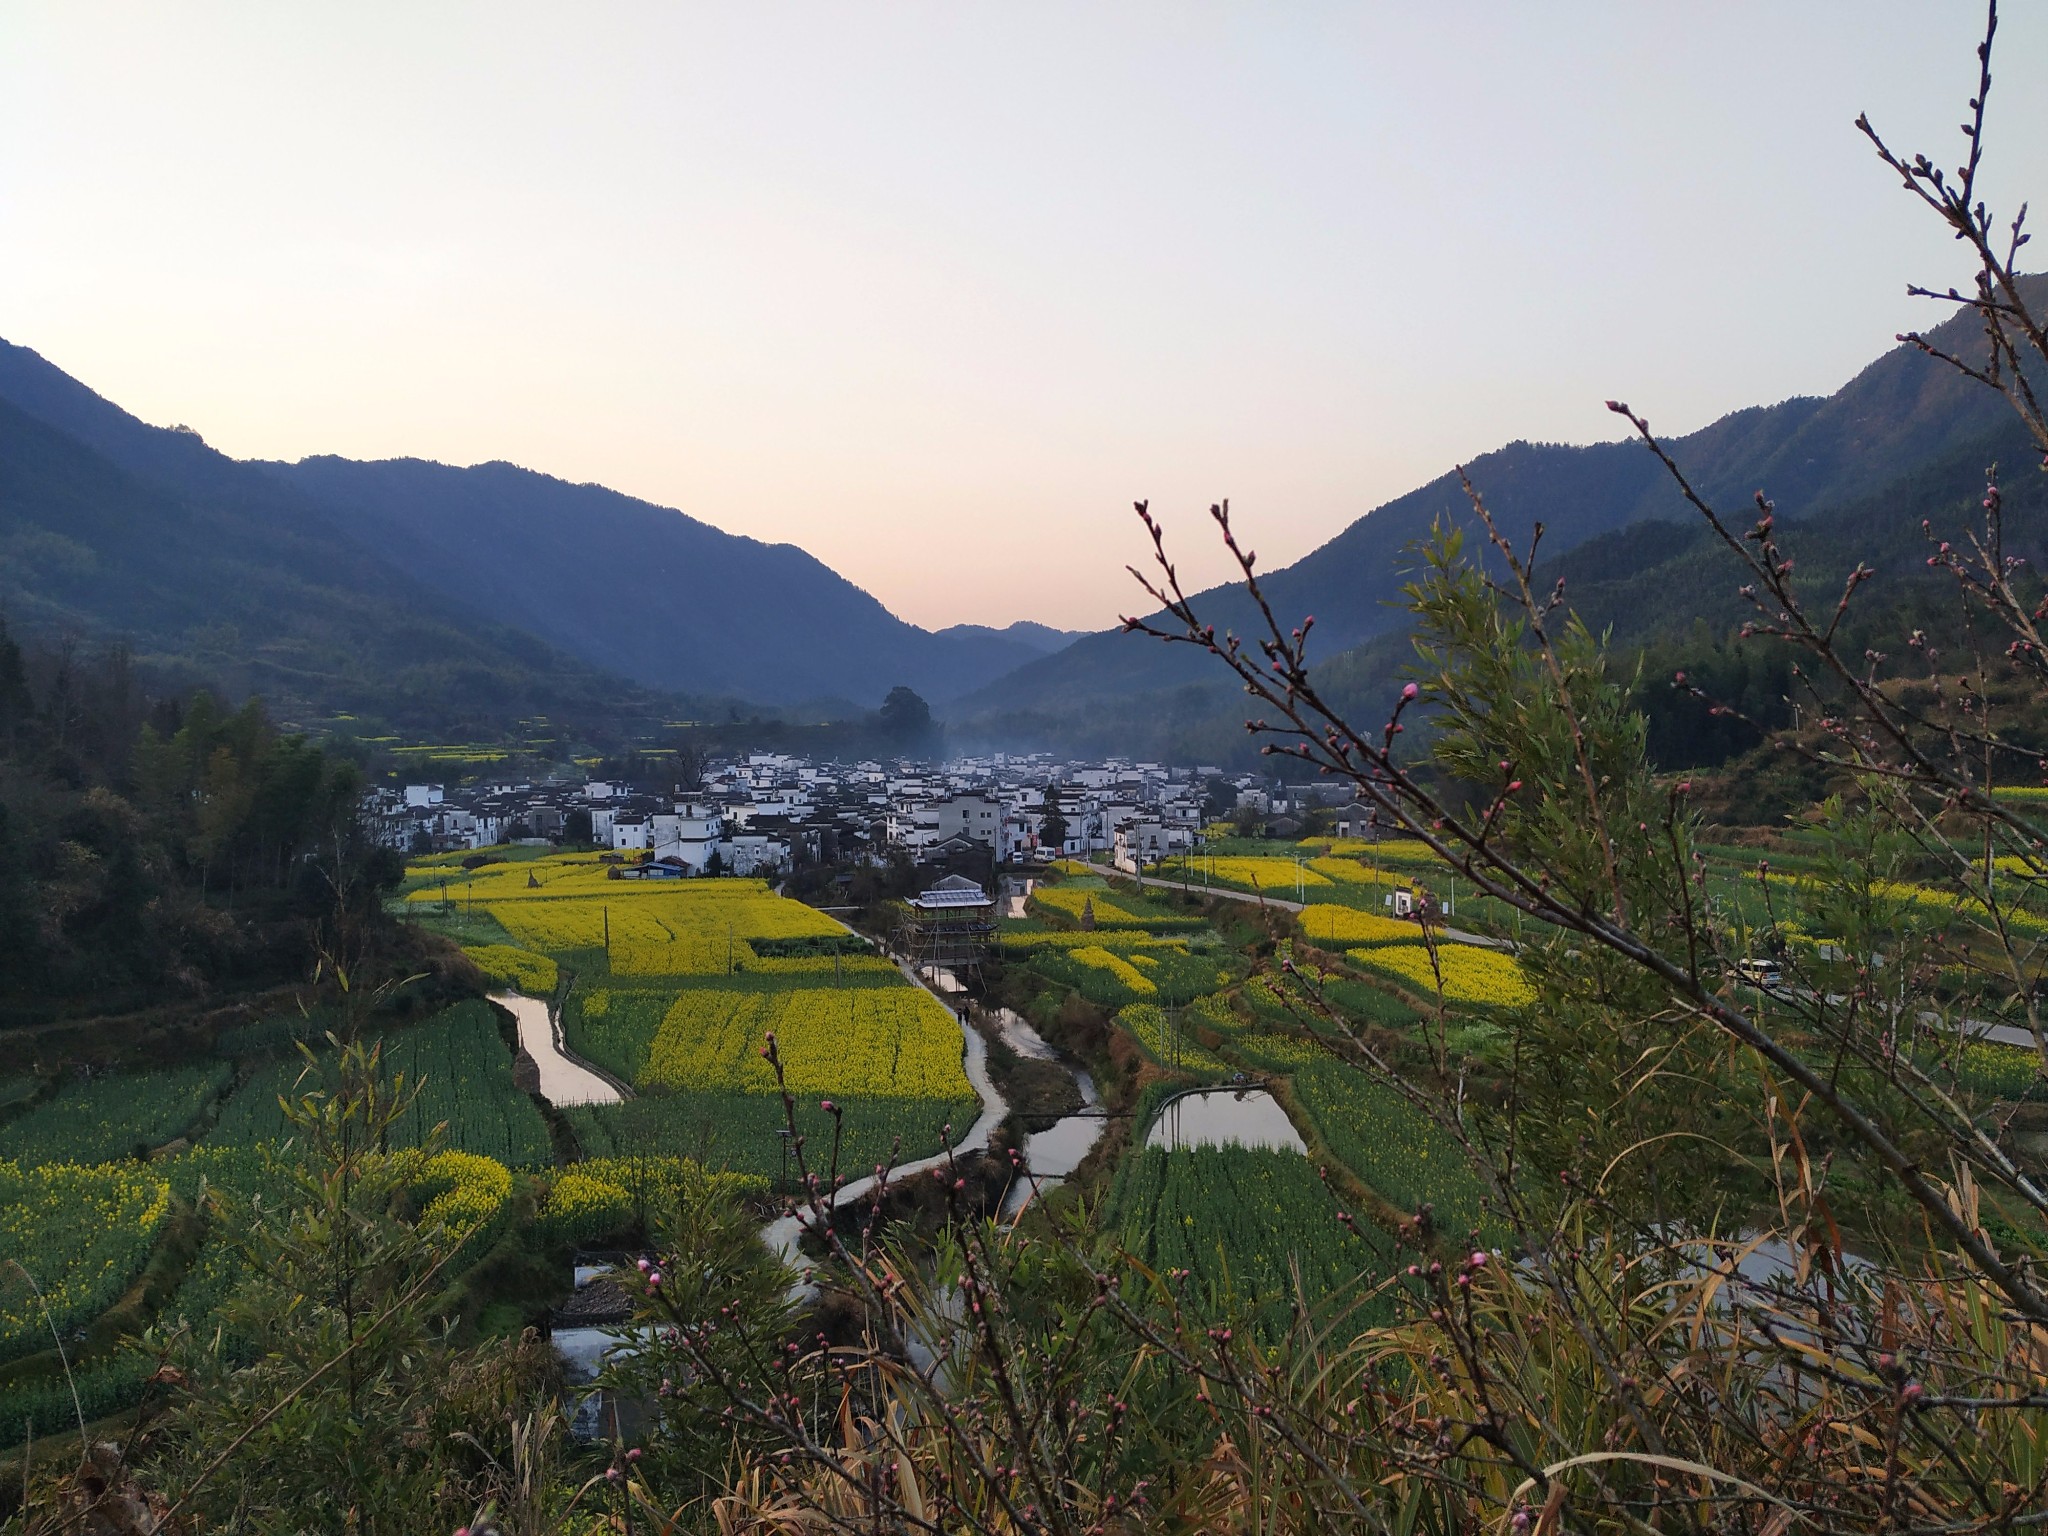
(665, 928)
(1333, 926)
(1102, 960)
(1340, 870)
(521, 969)
(1259, 872)
(82, 1233)
(889, 1042)
(1470, 974)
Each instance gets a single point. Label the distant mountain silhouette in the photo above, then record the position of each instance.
(427, 592)
(643, 592)
(216, 575)
(647, 591)
(1810, 454)
(1042, 638)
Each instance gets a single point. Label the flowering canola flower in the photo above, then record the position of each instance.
(1248, 872)
(601, 1195)
(1470, 975)
(1147, 1024)
(520, 969)
(1098, 958)
(1069, 901)
(888, 1042)
(83, 1233)
(1332, 926)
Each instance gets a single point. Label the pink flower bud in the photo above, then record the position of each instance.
(1410, 691)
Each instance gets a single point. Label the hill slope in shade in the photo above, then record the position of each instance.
(1903, 411)
(647, 591)
(216, 575)
(627, 587)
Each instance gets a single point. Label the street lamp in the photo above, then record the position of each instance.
(782, 1134)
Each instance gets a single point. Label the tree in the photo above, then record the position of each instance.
(904, 716)
(1052, 827)
(576, 828)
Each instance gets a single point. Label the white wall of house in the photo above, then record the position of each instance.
(978, 818)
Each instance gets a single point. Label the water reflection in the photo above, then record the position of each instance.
(1225, 1117)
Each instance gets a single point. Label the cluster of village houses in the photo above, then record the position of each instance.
(771, 813)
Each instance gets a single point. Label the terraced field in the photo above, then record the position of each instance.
(677, 985)
(1256, 1226)
(113, 1115)
(465, 1074)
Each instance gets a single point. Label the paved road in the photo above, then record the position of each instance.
(1189, 888)
(563, 1079)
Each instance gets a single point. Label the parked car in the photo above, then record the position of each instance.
(1763, 974)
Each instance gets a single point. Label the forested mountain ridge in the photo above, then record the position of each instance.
(1899, 414)
(215, 575)
(649, 592)
(578, 580)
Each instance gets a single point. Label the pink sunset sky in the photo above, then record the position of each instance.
(935, 290)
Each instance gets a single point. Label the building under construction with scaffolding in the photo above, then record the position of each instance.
(949, 927)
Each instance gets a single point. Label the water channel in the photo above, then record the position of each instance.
(1225, 1117)
(1055, 1152)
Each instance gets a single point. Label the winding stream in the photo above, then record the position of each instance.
(1054, 1153)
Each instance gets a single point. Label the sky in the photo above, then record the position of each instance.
(935, 291)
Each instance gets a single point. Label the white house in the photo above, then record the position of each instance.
(691, 834)
(1138, 843)
(755, 853)
(978, 818)
(630, 831)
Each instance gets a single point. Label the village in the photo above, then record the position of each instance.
(772, 814)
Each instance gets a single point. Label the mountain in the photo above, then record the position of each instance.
(1042, 638)
(1902, 412)
(647, 591)
(628, 588)
(215, 574)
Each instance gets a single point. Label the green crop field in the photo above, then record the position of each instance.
(110, 1116)
(1247, 1220)
(738, 1131)
(1372, 1130)
(465, 1074)
(71, 1240)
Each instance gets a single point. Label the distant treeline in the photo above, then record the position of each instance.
(158, 848)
